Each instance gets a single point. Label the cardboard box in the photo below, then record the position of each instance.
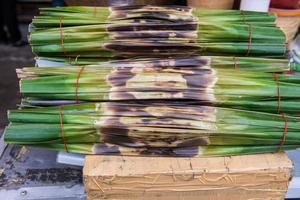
(264, 176)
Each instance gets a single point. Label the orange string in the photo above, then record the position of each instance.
(234, 62)
(250, 40)
(285, 131)
(278, 91)
(95, 9)
(61, 35)
(77, 83)
(244, 17)
(62, 130)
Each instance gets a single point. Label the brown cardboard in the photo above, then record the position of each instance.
(264, 176)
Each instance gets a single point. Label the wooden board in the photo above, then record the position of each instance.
(264, 176)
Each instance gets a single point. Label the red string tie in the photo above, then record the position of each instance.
(234, 62)
(95, 9)
(77, 84)
(244, 16)
(250, 40)
(62, 35)
(62, 130)
(285, 131)
(276, 77)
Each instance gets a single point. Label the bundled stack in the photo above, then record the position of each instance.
(179, 106)
(161, 128)
(84, 33)
(190, 79)
(166, 108)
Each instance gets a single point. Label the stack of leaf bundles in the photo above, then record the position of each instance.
(147, 31)
(191, 79)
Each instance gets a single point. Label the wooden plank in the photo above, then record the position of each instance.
(263, 176)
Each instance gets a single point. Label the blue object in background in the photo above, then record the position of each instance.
(58, 3)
